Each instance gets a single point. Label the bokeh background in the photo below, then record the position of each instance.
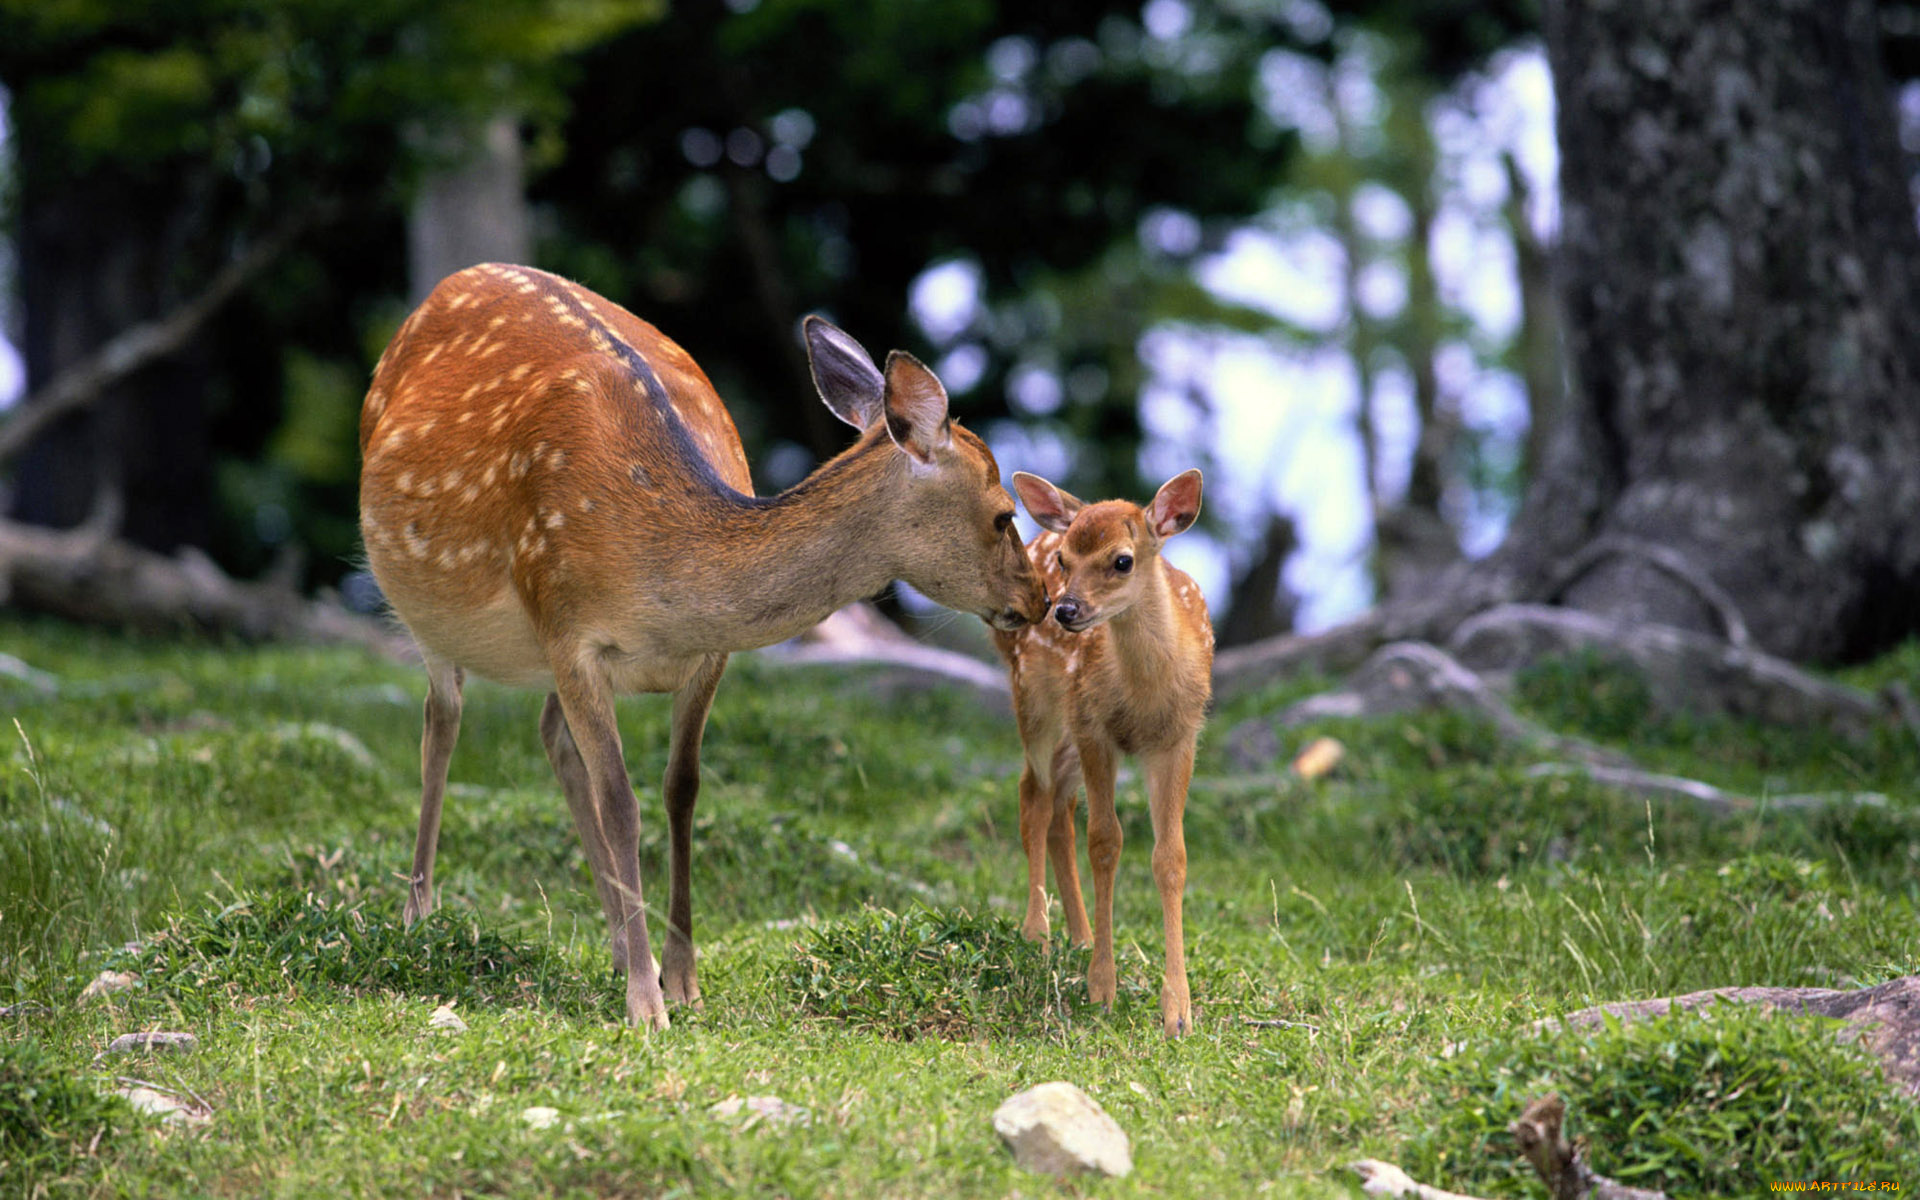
(1305, 245)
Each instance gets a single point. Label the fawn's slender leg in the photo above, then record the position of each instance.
(1103, 852)
(586, 698)
(564, 754)
(439, 733)
(1033, 839)
(1168, 774)
(1060, 844)
(682, 789)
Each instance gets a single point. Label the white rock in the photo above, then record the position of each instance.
(170, 1109)
(540, 1117)
(108, 982)
(177, 1043)
(445, 1018)
(1057, 1129)
(771, 1109)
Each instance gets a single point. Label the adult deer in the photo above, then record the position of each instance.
(1125, 668)
(553, 496)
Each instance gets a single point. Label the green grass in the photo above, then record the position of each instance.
(1367, 953)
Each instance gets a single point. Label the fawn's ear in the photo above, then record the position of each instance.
(844, 374)
(916, 407)
(1052, 507)
(1176, 506)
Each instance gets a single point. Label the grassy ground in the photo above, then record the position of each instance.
(241, 817)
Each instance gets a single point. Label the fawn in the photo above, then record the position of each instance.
(1125, 668)
(553, 496)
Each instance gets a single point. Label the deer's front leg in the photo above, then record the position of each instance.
(1035, 814)
(1103, 852)
(1061, 845)
(1168, 774)
(587, 702)
(439, 733)
(682, 788)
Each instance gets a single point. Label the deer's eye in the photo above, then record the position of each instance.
(1123, 564)
(1060, 560)
(1003, 522)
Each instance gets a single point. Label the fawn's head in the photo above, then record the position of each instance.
(1108, 551)
(940, 494)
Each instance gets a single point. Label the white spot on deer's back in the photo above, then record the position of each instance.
(556, 519)
(586, 504)
(417, 544)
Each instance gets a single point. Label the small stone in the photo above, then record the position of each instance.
(1057, 1129)
(106, 983)
(540, 1117)
(445, 1018)
(155, 1040)
(1320, 756)
(770, 1109)
(171, 1110)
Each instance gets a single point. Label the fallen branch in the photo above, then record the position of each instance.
(80, 384)
(1715, 800)
(85, 576)
(1384, 1179)
(1561, 1165)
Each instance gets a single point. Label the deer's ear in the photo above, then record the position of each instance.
(916, 407)
(844, 374)
(1052, 507)
(1176, 506)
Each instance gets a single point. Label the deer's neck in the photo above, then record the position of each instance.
(789, 560)
(1144, 648)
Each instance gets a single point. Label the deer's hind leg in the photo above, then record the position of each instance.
(1061, 847)
(439, 734)
(682, 789)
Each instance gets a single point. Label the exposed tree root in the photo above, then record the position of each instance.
(1714, 800)
(1411, 676)
(858, 634)
(1683, 670)
(1885, 1017)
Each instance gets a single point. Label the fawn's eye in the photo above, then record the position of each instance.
(1003, 522)
(1123, 564)
(1060, 560)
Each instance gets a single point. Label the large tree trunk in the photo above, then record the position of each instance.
(1739, 261)
(473, 212)
(94, 262)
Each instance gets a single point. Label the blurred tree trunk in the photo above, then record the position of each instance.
(1541, 368)
(1739, 262)
(1260, 604)
(473, 212)
(96, 258)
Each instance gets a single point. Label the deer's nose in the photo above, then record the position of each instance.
(1067, 611)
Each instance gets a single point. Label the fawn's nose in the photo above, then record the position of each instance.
(1067, 611)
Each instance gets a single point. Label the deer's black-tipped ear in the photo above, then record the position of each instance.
(1176, 506)
(1053, 507)
(844, 374)
(916, 407)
